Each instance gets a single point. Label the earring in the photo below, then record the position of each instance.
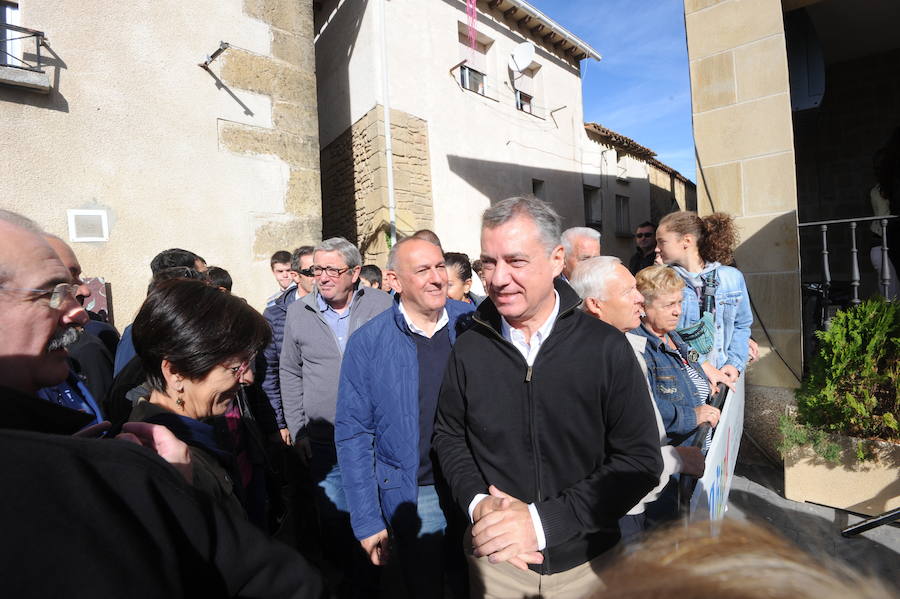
(179, 401)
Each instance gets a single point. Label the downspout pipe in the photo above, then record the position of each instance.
(388, 137)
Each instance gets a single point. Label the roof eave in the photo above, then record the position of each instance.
(538, 19)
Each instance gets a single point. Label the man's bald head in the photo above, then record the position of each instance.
(10, 221)
(70, 261)
(66, 255)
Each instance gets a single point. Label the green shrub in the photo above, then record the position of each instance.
(853, 385)
(794, 434)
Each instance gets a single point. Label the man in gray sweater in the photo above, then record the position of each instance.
(316, 331)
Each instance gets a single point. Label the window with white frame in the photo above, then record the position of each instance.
(474, 72)
(472, 80)
(10, 47)
(623, 216)
(524, 102)
(593, 207)
(526, 89)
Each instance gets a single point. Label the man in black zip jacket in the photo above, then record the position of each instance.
(538, 428)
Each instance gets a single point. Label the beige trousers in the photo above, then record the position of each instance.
(504, 581)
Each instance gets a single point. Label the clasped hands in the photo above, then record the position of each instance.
(503, 531)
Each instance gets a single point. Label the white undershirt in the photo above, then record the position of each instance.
(441, 323)
(529, 351)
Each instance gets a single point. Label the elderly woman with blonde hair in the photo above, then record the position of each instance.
(679, 387)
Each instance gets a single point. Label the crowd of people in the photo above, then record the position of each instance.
(370, 420)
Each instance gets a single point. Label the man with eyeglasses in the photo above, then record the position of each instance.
(39, 316)
(645, 254)
(316, 331)
(301, 270)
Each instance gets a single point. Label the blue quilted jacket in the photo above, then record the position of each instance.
(376, 427)
(267, 362)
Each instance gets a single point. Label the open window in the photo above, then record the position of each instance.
(526, 84)
(10, 39)
(475, 73)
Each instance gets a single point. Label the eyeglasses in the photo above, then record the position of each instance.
(238, 371)
(328, 270)
(58, 294)
(639, 235)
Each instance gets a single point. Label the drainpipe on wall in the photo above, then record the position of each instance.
(386, 103)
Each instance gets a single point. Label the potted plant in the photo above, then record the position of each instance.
(840, 446)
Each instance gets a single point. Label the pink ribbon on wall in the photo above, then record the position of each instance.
(472, 14)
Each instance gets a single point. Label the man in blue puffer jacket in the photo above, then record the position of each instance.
(268, 361)
(389, 386)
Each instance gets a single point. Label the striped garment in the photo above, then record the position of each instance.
(702, 385)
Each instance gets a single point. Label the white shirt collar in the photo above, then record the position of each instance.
(530, 350)
(441, 323)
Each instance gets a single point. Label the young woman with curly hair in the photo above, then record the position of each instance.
(699, 250)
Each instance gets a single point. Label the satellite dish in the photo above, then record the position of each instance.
(522, 57)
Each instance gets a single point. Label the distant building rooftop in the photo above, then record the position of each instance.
(629, 146)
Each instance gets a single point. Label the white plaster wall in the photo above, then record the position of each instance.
(482, 149)
(135, 132)
(347, 59)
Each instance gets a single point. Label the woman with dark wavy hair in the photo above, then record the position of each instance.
(197, 345)
(715, 316)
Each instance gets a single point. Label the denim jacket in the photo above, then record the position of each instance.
(673, 391)
(733, 314)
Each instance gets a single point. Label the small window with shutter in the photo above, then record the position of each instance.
(526, 90)
(475, 71)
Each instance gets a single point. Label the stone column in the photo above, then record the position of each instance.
(744, 135)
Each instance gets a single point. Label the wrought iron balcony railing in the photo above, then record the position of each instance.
(13, 39)
(885, 271)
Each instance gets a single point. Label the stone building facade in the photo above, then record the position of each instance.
(222, 160)
(354, 175)
(742, 128)
(787, 119)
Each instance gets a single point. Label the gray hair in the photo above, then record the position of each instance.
(23, 222)
(544, 216)
(348, 251)
(569, 236)
(392, 256)
(303, 250)
(591, 277)
(17, 220)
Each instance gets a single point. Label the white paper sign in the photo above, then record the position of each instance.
(710, 498)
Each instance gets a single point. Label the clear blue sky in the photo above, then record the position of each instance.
(641, 88)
